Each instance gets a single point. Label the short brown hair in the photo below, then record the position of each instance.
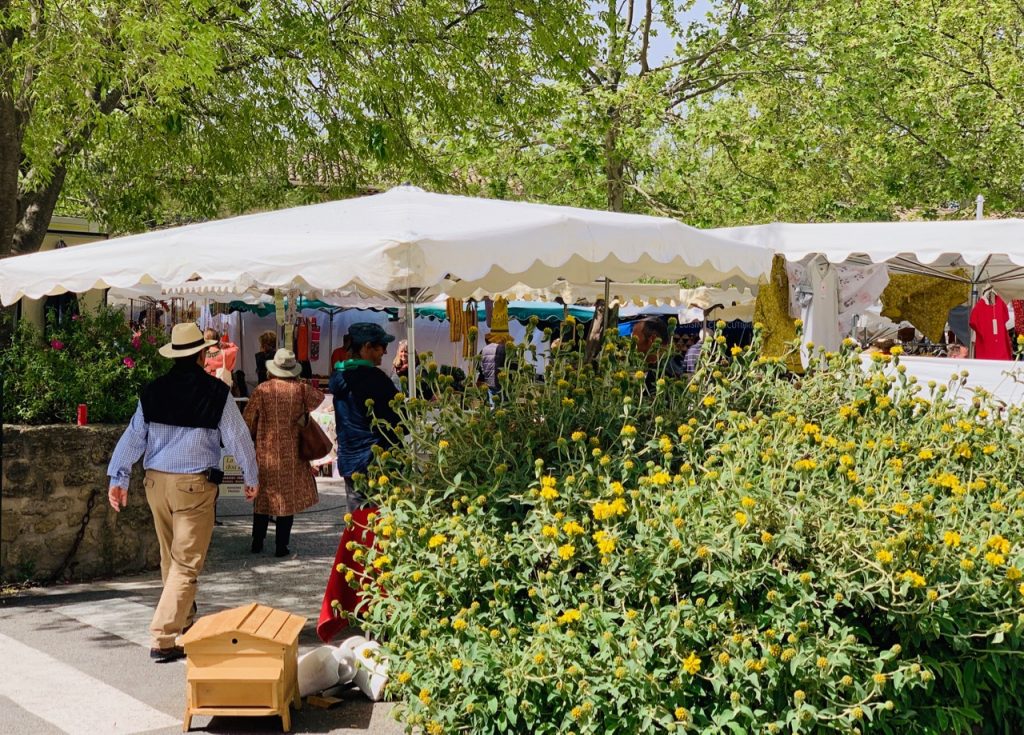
(268, 341)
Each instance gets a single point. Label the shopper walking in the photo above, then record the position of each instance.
(276, 411)
(181, 422)
(354, 382)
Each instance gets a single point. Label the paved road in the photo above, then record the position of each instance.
(75, 659)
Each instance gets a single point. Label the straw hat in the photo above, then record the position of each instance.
(284, 365)
(186, 339)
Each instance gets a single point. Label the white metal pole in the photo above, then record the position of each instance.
(979, 212)
(410, 331)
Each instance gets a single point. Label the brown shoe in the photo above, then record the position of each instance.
(166, 655)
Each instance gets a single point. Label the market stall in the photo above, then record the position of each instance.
(838, 270)
(405, 244)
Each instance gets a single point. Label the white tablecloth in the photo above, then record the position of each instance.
(995, 376)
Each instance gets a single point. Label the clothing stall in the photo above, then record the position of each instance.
(917, 271)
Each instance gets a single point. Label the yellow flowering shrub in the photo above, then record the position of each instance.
(834, 552)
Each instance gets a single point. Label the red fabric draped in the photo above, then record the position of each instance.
(333, 618)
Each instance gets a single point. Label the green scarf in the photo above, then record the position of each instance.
(354, 363)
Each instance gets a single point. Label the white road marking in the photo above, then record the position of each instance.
(83, 706)
(120, 617)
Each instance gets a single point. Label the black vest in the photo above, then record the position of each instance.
(185, 396)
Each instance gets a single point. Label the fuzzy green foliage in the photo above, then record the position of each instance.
(740, 552)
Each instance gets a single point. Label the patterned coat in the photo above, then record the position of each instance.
(287, 485)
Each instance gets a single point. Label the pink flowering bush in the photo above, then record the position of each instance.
(93, 358)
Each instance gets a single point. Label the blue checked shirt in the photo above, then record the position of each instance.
(181, 449)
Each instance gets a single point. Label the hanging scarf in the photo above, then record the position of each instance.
(353, 363)
(469, 322)
(453, 310)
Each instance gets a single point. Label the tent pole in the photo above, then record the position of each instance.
(410, 332)
(241, 339)
(979, 210)
(330, 344)
(607, 296)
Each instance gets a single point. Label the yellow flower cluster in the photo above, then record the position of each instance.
(547, 488)
(572, 615)
(605, 542)
(915, 579)
(661, 479)
(691, 664)
(604, 510)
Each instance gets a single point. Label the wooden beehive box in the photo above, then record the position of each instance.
(243, 662)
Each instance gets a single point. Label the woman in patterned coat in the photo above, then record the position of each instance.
(273, 414)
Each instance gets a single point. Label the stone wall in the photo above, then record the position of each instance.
(49, 473)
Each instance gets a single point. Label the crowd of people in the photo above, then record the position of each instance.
(186, 416)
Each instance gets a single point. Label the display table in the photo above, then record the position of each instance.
(339, 597)
(1003, 378)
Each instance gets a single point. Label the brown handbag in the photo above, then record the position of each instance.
(313, 442)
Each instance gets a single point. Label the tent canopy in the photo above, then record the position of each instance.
(994, 247)
(393, 242)
(619, 294)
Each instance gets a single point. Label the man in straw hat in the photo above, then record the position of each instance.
(181, 422)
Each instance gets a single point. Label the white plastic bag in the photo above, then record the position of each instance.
(346, 662)
(371, 668)
(318, 670)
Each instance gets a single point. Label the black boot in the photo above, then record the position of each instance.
(282, 535)
(260, 521)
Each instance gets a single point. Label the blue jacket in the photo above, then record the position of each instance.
(350, 387)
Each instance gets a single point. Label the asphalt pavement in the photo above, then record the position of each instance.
(75, 658)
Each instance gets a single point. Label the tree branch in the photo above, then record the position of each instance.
(646, 42)
(464, 16)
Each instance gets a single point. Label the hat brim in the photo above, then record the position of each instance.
(281, 372)
(168, 349)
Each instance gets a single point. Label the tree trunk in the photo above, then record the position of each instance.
(10, 156)
(614, 166)
(35, 211)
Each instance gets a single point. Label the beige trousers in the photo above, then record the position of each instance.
(183, 513)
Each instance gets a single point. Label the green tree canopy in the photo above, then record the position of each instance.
(141, 113)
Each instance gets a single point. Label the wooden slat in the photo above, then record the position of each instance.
(233, 711)
(229, 620)
(252, 623)
(272, 625)
(267, 671)
(290, 630)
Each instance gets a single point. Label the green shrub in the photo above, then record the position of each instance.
(91, 358)
(745, 552)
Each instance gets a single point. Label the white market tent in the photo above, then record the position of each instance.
(990, 251)
(405, 242)
(969, 251)
(403, 239)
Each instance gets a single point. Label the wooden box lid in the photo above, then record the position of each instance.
(254, 620)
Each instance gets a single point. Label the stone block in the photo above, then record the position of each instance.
(16, 473)
(49, 473)
(45, 526)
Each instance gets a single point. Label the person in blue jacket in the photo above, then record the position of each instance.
(353, 382)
